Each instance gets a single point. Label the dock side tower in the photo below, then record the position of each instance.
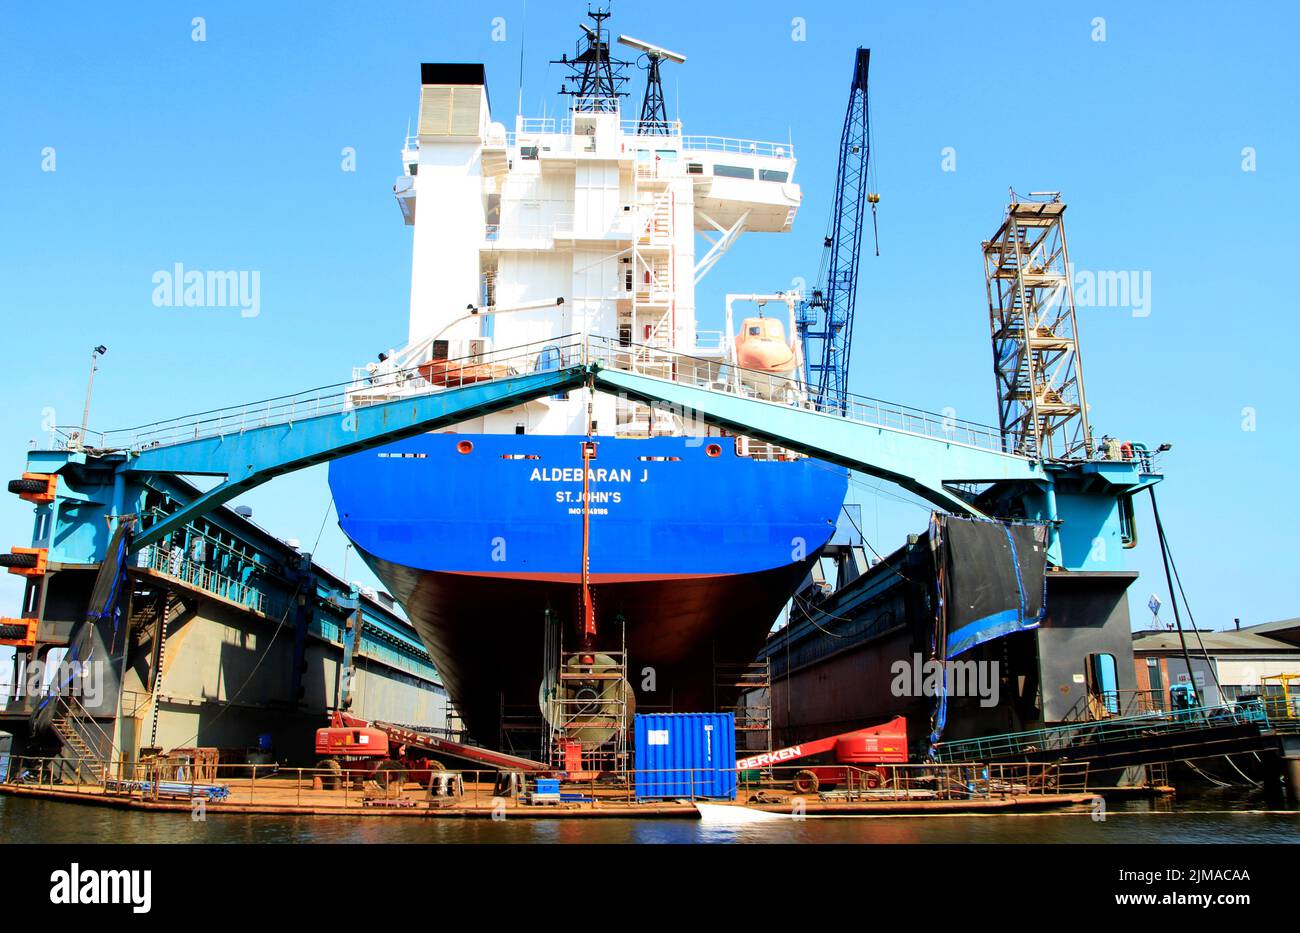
(1042, 408)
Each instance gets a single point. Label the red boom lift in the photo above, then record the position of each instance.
(350, 744)
(863, 749)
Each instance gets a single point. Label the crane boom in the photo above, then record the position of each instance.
(825, 319)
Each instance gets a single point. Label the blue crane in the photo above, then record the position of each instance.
(825, 318)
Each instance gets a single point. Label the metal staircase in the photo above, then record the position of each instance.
(83, 756)
(87, 761)
(649, 317)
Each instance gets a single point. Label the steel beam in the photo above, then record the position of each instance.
(920, 464)
(253, 456)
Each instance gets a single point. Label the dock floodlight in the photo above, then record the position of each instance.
(654, 51)
(95, 353)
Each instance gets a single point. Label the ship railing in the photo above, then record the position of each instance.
(763, 450)
(549, 144)
(587, 104)
(566, 225)
(511, 233)
(529, 129)
(383, 383)
(1074, 735)
(558, 138)
(786, 390)
(754, 147)
(378, 386)
(562, 226)
(633, 128)
(710, 340)
(1107, 704)
(542, 126)
(172, 562)
(182, 776)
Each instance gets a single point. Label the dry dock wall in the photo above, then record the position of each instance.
(826, 683)
(227, 680)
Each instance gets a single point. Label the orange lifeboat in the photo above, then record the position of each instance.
(761, 346)
(458, 373)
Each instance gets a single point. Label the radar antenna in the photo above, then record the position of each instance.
(654, 114)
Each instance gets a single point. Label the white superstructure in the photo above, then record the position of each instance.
(581, 225)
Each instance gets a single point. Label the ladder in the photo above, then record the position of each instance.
(163, 610)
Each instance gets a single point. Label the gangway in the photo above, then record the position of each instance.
(293, 433)
(938, 458)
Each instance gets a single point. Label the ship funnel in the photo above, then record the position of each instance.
(453, 102)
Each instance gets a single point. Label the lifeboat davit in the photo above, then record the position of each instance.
(460, 373)
(761, 346)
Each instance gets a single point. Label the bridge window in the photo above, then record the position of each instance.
(771, 174)
(733, 171)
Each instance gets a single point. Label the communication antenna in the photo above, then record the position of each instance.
(522, 37)
(596, 80)
(654, 115)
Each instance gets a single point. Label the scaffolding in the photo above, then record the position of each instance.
(753, 706)
(587, 705)
(1041, 404)
(521, 730)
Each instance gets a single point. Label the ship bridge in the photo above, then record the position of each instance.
(742, 180)
(732, 177)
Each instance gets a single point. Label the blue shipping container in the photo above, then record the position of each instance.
(680, 754)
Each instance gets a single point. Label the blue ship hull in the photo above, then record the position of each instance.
(693, 548)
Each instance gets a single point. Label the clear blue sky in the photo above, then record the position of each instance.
(225, 154)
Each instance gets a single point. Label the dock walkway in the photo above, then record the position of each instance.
(286, 796)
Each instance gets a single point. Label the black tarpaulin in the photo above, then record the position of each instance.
(99, 640)
(993, 578)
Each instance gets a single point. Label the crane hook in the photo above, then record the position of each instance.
(873, 199)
